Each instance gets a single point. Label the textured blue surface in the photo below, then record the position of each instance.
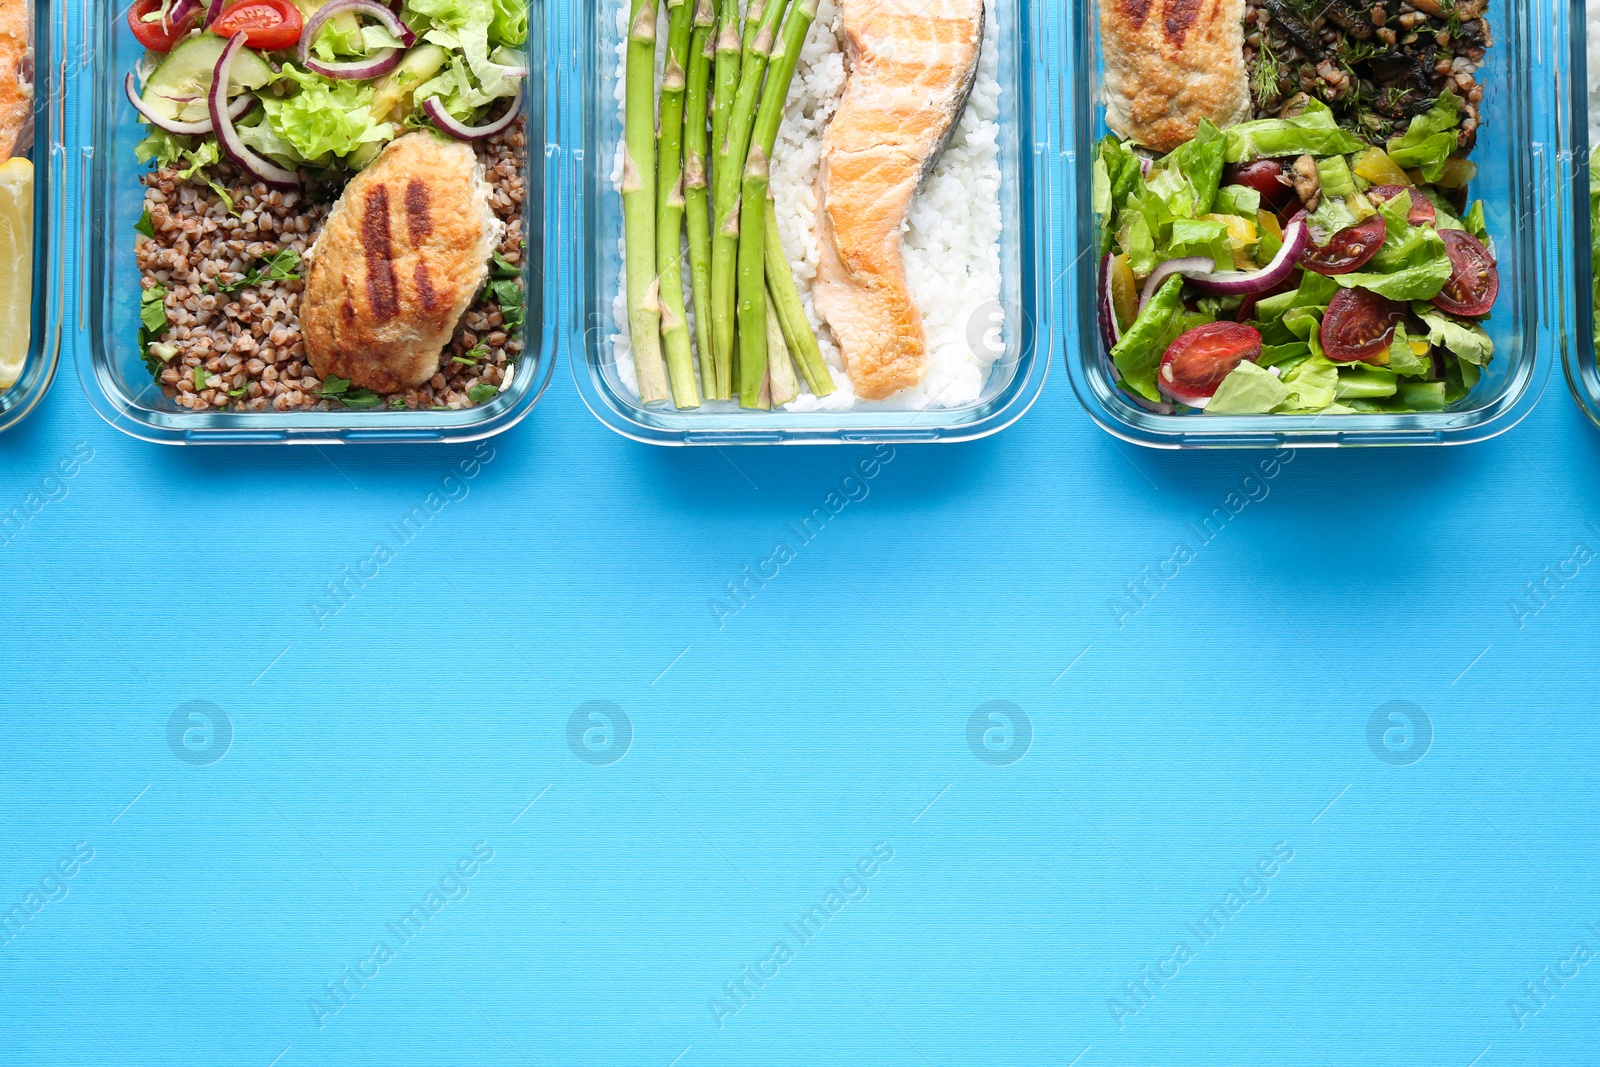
(1178, 752)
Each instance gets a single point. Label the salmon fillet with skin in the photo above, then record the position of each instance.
(399, 260)
(912, 64)
(16, 79)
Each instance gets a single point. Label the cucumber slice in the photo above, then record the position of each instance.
(177, 88)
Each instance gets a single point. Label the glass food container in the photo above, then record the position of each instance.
(1520, 179)
(104, 323)
(47, 154)
(1583, 376)
(592, 129)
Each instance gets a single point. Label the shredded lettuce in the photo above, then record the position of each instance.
(324, 116)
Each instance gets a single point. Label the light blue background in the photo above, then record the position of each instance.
(1170, 754)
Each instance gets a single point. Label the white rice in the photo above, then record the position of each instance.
(1592, 27)
(951, 236)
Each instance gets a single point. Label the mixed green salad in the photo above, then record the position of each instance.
(282, 87)
(1287, 265)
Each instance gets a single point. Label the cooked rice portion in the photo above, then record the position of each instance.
(248, 342)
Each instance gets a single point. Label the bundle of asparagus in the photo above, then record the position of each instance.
(735, 78)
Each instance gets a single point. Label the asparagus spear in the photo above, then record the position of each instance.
(728, 51)
(638, 204)
(752, 292)
(669, 210)
(780, 370)
(752, 287)
(696, 196)
(727, 177)
(791, 313)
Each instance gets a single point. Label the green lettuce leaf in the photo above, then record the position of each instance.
(1202, 237)
(1467, 340)
(1430, 138)
(1312, 132)
(1238, 200)
(1247, 390)
(1360, 381)
(1200, 161)
(1312, 384)
(1404, 361)
(1139, 352)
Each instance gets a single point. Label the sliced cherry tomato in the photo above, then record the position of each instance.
(1474, 279)
(1195, 364)
(1358, 325)
(1265, 176)
(1347, 250)
(155, 34)
(268, 25)
(1421, 213)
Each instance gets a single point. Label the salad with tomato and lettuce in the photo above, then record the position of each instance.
(1286, 265)
(287, 90)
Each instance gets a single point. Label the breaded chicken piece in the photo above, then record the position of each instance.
(16, 79)
(1171, 63)
(401, 257)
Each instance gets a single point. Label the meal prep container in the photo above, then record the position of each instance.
(1521, 182)
(592, 128)
(104, 324)
(47, 154)
(1578, 354)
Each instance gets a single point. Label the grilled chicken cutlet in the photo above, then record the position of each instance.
(403, 253)
(16, 79)
(1171, 63)
(912, 65)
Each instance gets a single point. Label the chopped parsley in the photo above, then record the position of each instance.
(281, 266)
(145, 225)
(358, 399)
(482, 392)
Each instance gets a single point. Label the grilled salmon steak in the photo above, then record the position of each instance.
(912, 64)
(16, 79)
(403, 253)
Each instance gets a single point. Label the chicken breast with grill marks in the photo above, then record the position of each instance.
(401, 257)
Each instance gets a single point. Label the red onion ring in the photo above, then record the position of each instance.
(362, 69)
(238, 107)
(1110, 331)
(228, 137)
(213, 12)
(462, 132)
(374, 66)
(1245, 282)
(1185, 265)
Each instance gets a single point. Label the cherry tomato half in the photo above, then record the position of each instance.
(157, 35)
(1358, 325)
(268, 25)
(1195, 364)
(1474, 278)
(1265, 176)
(1347, 250)
(1421, 213)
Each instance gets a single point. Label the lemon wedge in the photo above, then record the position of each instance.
(16, 267)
